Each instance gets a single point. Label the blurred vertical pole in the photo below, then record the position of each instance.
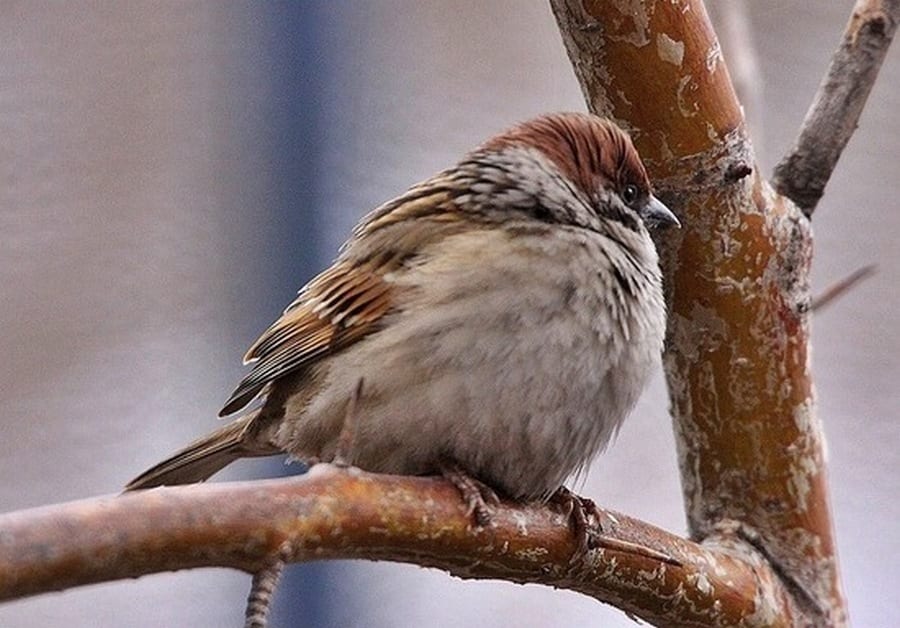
(300, 64)
(301, 60)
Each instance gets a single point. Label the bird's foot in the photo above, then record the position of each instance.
(475, 493)
(593, 527)
(585, 519)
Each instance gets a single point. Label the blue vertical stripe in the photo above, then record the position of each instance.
(300, 61)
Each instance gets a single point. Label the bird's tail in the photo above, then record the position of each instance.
(204, 457)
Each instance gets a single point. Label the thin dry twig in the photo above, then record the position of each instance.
(839, 288)
(833, 116)
(262, 589)
(343, 455)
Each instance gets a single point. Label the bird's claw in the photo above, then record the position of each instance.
(585, 518)
(475, 493)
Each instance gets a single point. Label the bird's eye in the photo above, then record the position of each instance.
(630, 193)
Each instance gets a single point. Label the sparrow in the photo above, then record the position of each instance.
(504, 316)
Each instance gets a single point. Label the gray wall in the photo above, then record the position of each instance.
(164, 192)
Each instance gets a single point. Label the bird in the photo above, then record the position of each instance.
(493, 324)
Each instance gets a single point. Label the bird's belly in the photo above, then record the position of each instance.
(523, 406)
(521, 382)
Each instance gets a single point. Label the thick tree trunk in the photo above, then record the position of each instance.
(737, 354)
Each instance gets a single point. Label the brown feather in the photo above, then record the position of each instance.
(347, 301)
(338, 307)
(589, 150)
(205, 456)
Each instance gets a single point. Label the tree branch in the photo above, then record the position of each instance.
(336, 513)
(833, 116)
(841, 287)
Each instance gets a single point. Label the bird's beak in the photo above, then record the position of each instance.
(657, 215)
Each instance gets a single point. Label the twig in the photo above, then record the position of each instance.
(343, 455)
(265, 581)
(832, 118)
(338, 513)
(837, 289)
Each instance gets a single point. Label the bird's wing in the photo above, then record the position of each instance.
(338, 307)
(347, 301)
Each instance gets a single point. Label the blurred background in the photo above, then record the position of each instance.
(170, 174)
